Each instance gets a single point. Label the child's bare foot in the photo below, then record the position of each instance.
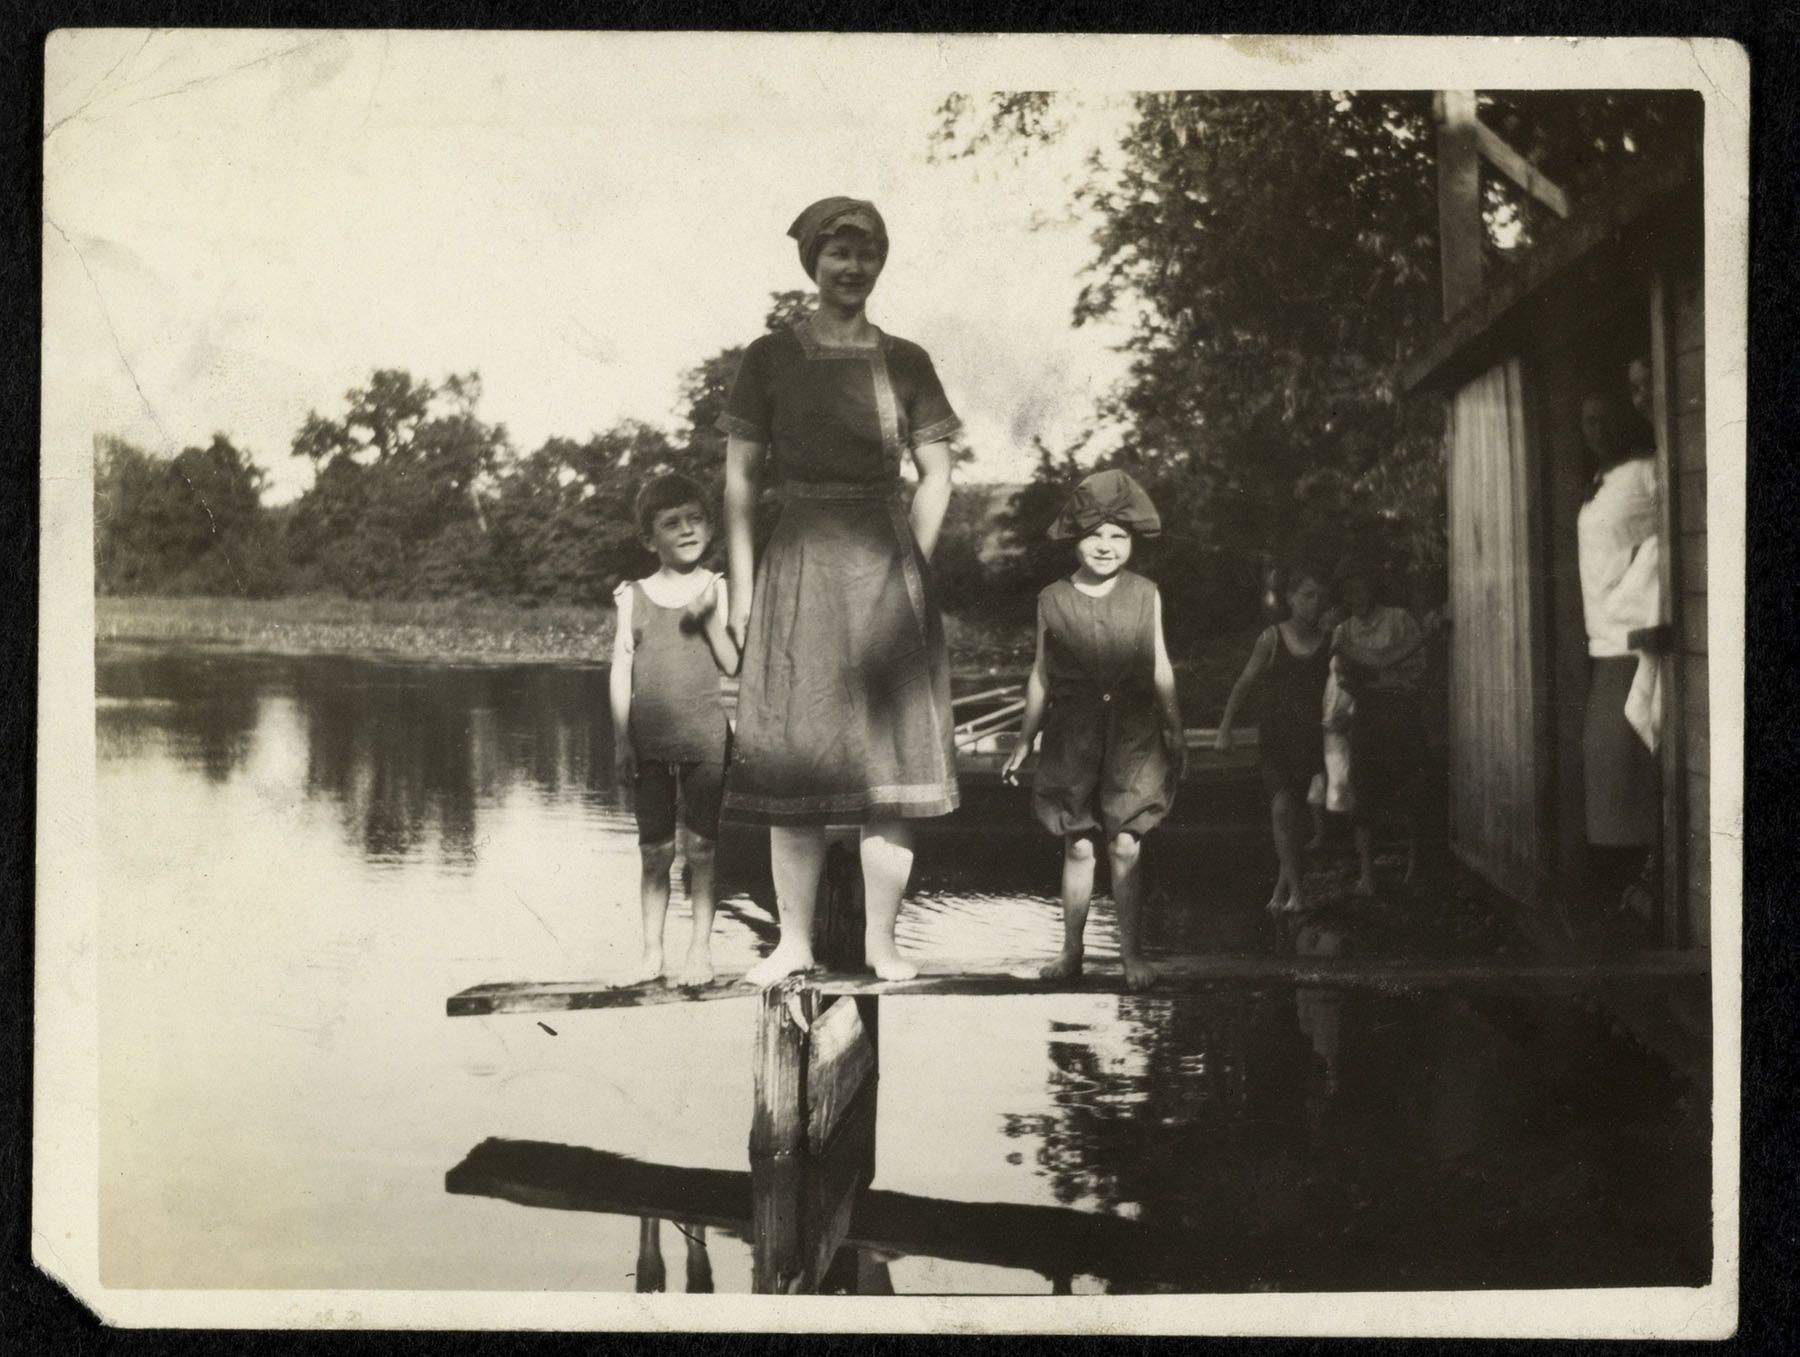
(1067, 963)
(649, 967)
(1295, 902)
(1278, 901)
(787, 959)
(697, 969)
(1139, 974)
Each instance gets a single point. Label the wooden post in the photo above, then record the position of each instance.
(801, 1206)
(1460, 228)
(838, 921)
(783, 1045)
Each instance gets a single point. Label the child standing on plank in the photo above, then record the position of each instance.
(1290, 661)
(1103, 691)
(669, 728)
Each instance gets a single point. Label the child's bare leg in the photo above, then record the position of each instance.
(651, 1274)
(702, 859)
(887, 859)
(1278, 898)
(796, 860)
(1077, 891)
(1317, 841)
(653, 893)
(1365, 857)
(1285, 813)
(1124, 854)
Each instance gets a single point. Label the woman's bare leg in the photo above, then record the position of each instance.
(1077, 891)
(796, 860)
(887, 859)
(1124, 853)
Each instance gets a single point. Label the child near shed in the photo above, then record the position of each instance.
(1379, 655)
(670, 733)
(1102, 690)
(1287, 668)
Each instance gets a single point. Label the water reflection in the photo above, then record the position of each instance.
(467, 829)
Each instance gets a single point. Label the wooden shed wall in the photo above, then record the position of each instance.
(1493, 738)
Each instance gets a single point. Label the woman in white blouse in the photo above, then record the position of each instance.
(1621, 595)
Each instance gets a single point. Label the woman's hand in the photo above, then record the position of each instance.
(738, 622)
(1009, 773)
(700, 607)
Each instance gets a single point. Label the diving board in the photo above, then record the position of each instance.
(1176, 975)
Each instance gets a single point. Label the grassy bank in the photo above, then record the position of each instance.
(473, 630)
(425, 630)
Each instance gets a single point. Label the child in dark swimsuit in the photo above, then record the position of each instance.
(1290, 661)
(1103, 692)
(669, 726)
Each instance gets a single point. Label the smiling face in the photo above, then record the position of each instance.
(1104, 551)
(680, 535)
(849, 263)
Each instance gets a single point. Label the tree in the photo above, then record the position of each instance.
(397, 504)
(189, 524)
(1276, 256)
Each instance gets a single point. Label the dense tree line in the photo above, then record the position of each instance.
(1274, 255)
(415, 494)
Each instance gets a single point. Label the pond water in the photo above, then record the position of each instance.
(303, 857)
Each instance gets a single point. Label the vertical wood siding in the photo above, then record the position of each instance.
(1493, 763)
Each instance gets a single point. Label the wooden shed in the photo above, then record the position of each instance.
(1621, 283)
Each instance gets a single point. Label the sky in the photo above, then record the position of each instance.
(242, 226)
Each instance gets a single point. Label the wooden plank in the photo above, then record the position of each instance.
(1176, 975)
(1520, 170)
(840, 1067)
(1692, 496)
(1690, 440)
(1460, 227)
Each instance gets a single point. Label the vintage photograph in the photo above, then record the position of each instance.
(742, 666)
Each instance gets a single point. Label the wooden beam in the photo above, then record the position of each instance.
(783, 1046)
(1460, 228)
(1520, 170)
(840, 1066)
(1177, 975)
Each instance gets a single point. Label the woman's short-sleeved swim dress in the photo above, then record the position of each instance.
(844, 700)
(1103, 764)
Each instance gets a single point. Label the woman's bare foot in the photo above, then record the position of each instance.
(697, 969)
(1067, 963)
(788, 958)
(1295, 902)
(890, 965)
(649, 967)
(1139, 974)
(1278, 900)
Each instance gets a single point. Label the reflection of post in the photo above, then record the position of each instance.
(801, 1206)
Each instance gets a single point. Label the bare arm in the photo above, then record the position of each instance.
(743, 475)
(933, 495)
(1260, 655)
(1036, 700)
(717, 632)
(619, 685)
(1163, 676)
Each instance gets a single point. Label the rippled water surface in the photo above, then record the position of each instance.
(304, 857)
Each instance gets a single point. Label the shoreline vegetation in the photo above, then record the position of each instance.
(482, 631)
(453, 631)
